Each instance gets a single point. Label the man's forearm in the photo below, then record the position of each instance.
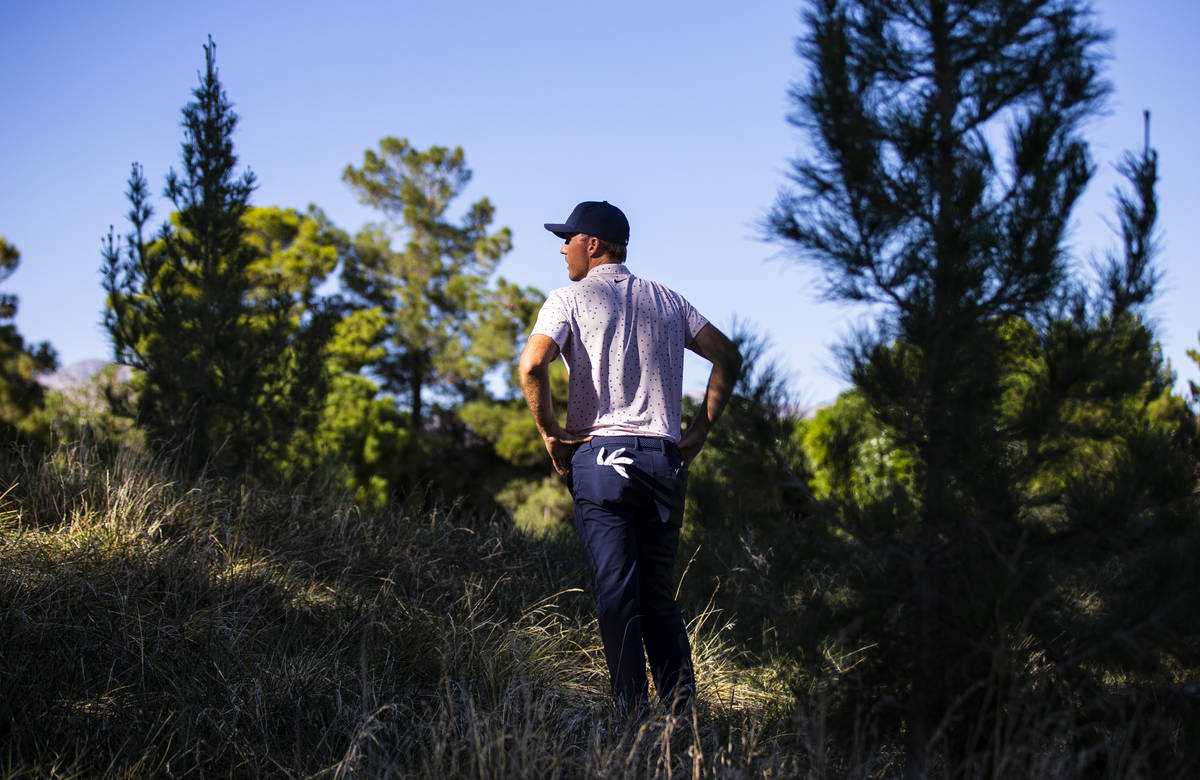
(716, 395)
(535, 384)
(712, 345)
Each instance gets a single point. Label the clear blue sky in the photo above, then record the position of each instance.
(673, 110)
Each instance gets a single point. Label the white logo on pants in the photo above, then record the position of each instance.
(615, 460)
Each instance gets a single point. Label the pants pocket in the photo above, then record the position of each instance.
(672, 497)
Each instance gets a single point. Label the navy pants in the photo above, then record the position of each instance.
(629, 494)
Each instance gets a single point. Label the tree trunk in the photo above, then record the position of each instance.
(925, 698)
(416, 379)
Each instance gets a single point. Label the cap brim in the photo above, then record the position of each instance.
(562, 231)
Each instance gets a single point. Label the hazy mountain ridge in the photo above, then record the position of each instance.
(78, 374)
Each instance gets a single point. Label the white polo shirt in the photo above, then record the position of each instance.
(623, 340)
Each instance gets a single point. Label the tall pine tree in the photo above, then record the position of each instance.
(446, 325)
(947, 156)
(228, 358)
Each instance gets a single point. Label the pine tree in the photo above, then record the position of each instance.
(947, 157)
(228, 358)
(446, 325)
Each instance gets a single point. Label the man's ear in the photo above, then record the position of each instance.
(593, 247)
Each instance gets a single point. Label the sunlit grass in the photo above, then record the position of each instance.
(155, 627)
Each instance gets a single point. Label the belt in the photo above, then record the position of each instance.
(656, 443)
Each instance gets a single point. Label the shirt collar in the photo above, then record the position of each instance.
(609, 269)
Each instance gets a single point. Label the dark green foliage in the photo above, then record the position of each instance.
(228, 351)
(20, 393)
(1032, 476)
(748, 524)
(1130, 277)
(360, 440)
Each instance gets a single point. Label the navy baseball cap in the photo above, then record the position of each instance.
(597, 218)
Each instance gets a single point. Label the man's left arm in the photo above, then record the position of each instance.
(539, 353)
(715, 347)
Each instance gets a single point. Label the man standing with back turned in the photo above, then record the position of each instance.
(626, 465)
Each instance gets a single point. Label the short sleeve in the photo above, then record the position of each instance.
(695, 320)
(552, 321)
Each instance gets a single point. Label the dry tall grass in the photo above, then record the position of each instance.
(158, 627)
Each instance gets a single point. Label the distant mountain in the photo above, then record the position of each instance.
(78, 374)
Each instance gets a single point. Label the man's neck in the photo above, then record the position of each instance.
(599, 261)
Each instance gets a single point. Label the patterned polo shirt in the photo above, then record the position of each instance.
(623, 340)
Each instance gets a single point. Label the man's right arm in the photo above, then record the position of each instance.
(715, 347)
(540, 351)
